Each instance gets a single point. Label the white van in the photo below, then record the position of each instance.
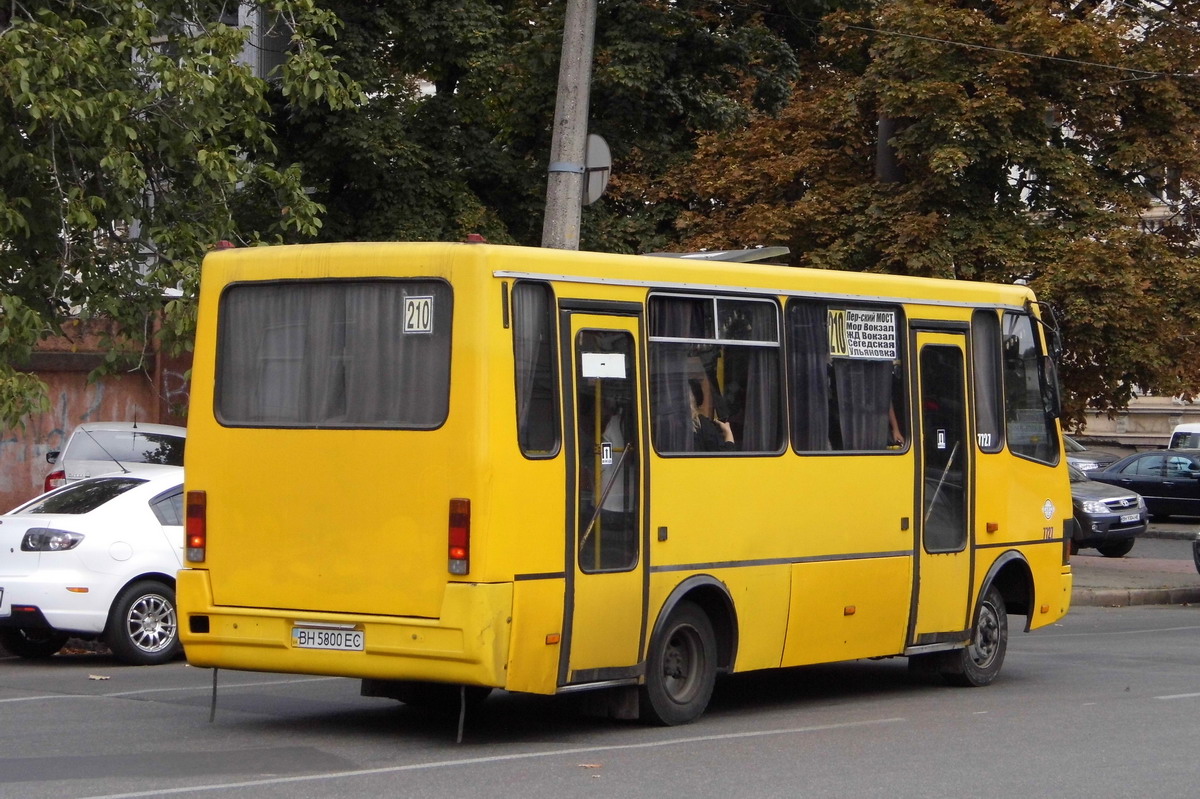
(1185, 436)
(101, 447)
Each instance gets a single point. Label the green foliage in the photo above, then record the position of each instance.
(134, 139)
(1030, 136)
(455, 136)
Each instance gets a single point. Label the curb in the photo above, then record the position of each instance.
(1172, 535)
(1122, 597)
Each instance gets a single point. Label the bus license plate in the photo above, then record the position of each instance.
(317, 638)
(1130, 517)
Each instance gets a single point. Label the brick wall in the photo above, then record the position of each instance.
(155, 392)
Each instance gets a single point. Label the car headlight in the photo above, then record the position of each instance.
(1094, 506)
(43, 539)
(1086, 466)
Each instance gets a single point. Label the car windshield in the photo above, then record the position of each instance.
(130, 446)
(1072, 445)
(1077, 475)
(82, 497)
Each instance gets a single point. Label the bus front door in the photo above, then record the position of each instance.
(606, 571)
(944, 481)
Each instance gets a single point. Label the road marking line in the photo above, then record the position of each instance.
(1178, 696)
(202, 689)
(474, 761)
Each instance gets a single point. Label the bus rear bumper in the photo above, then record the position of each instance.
(467, 644)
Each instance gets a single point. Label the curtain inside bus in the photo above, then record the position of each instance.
(334, 354)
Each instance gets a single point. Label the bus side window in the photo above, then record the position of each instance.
(987, 366)
(715, 361)
(845, 378)
(536, 370)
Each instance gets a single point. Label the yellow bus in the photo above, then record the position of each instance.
(438, 465)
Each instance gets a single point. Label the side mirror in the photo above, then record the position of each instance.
(52, 457)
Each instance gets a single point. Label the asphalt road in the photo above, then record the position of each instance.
(1103, 704)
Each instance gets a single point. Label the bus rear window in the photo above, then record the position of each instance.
(334, 353)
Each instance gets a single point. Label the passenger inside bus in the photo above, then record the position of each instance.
(713, 434)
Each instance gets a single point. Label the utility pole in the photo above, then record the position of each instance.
(564, 186)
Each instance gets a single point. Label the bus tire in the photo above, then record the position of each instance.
(143, 627)
(979, 663)
(31, 643)
(681, 668)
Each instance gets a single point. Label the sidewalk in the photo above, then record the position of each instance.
(1113, 582)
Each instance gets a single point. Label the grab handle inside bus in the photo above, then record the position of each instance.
(612, 480)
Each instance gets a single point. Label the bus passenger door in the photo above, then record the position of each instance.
(944, 484)
(606, 568)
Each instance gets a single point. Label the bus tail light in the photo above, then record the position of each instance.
(197, 526)
(459, 538)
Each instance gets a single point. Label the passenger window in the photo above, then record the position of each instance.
(987, 365)
(536, 373)
(1178, 467)
(1150, 465)
(845, 377)
(714, 375)
(168, 506)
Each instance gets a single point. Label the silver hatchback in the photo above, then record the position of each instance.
(102, 447)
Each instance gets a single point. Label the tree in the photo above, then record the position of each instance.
(455, 137)
(133, 141)
(1029, 138)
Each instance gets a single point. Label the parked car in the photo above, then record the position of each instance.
(1107, 517)
(1168, 479)
(95, 559)
(1185, 436)
(100, 447)
(1088, 458)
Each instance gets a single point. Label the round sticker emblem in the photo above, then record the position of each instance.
(1048, 509)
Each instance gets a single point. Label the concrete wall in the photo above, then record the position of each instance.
(1146, 424)
(155, 393)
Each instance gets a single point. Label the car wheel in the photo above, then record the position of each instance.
(681, 668)
(979, 663)
(143, 628)
(1118, 550)
(32, 643)
(1196, 553)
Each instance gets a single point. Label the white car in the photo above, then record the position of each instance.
(101, 447)
(95, 559)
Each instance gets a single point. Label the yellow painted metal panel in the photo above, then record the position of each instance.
(760, 604)
(842, 610)
(533, 655)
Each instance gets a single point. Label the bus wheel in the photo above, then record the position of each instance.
(143, 629)
(681, 668)
(32, 643)
(979, 663)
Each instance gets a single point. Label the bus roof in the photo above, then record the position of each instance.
(382, 259)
